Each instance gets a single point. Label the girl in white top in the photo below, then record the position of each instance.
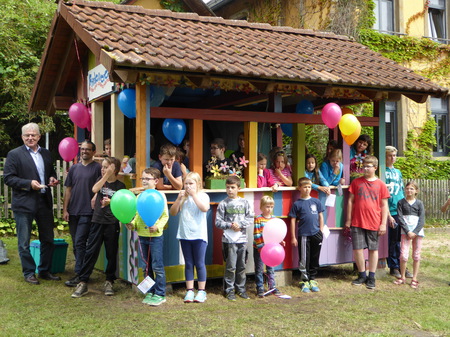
(193, 205)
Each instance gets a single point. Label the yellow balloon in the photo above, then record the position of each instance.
(348, 124)
(350, 139)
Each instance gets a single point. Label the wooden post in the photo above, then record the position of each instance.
(196, 146)
(298, 152)
(97, 126)
(379, 110)
(117, 126)
(141, 131)
(251, 153)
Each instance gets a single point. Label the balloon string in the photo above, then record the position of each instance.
(79, 61)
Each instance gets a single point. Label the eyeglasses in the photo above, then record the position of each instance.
(147, 179)
(368, 166)
(32, 135)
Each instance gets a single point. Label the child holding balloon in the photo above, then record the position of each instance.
(151, 242)
(193, 204)
(266, 205)
(105, 228)
(308, 212)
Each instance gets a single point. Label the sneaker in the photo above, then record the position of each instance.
(147, 298)
(109, 288)
(304, 286)
(276, 292)
(73, 282)
(231, 296)
(370, 284)
(359, 281)
(243, 295)
(395, 273)
(408, 274)
(189, 298)
(200, 297)
(81, 290)
(156, 300)
(314, 286)
(260, 292)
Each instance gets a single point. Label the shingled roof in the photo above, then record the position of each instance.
(134, 38)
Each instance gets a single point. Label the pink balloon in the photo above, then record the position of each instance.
(68, 148)
(79, 115)
(272, 254)
(331, 115)
(274, 230)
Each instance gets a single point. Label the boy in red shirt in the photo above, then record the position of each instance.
(367, 215)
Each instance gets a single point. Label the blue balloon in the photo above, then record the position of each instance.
(287, 129)
(127, 102)
(157, 96)
(174, 130)
(150, 206)
(304, 107)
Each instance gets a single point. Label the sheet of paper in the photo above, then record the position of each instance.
(331, 200)
(326, 232)
(232, 235)
(146, 284)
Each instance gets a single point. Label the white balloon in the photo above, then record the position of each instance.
(274, 231)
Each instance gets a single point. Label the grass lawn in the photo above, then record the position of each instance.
(339, 309)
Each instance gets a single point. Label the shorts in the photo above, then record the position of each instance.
(364, 238)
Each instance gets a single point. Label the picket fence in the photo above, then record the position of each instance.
(433, 193)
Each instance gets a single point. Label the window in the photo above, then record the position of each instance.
(439, 110)
(436, 20)
(391, 124)
(384, 14)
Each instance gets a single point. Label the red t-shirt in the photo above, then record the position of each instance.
(367, 202)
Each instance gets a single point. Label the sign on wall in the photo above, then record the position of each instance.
(98, 83)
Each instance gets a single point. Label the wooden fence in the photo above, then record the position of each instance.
(433, 194)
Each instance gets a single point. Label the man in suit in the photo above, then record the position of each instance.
(29, 172)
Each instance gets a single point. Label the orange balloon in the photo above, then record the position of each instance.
(346, 111)
(353, 137)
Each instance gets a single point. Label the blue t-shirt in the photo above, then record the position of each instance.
(176, 171)
(306, 211)
(394, 183)
(81, 179)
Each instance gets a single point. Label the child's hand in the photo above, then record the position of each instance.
(342, 181)
(260, 172)
(382, 230)
(278, 172)
(110, 170)
(153, 229)
(167, 170)
(275, 187)
(411, 235)
(348, 223)
(235, 227)
(325, 189)
(105, 201)
(294, 242)
(182, 194)
(130, 226)
(283, 243)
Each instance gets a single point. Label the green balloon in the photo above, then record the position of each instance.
(123, 205)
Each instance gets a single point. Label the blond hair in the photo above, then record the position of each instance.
(266, 200)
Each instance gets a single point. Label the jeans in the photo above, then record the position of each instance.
(79, 226)
(44, 221)
(99, 234)
(394, 238)
(152, 249)
(194, 252)
(235, 256)
(259, 271)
